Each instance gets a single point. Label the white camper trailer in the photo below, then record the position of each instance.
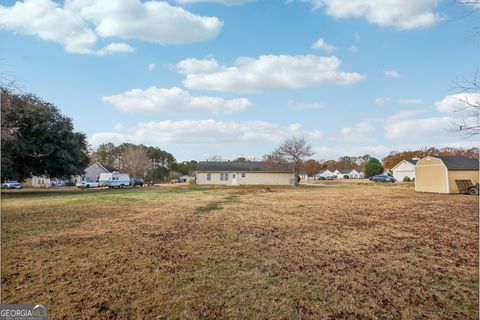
(114, 180)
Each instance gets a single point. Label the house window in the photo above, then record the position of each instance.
(243, 174)
(223, 176)
(209, 176)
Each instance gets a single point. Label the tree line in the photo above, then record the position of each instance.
(150, 163)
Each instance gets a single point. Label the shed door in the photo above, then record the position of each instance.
(431, 177)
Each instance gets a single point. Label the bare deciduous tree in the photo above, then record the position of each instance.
(215, 158)
(135, 161)
(469, 126)
(293, 152)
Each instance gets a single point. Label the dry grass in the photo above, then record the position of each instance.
(341, 252)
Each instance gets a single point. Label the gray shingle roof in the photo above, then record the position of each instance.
(239, 166)
(459, 163)
(345, 171)
(414, 162)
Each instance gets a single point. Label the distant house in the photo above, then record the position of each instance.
(351, 173)
(405, 168)
(38, 182)
(92, 173)
(304, 176)
(241, 173)
(324, 174)
(438, 173)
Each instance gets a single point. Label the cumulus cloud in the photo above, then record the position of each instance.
(399, 14)
(173, 101)
(210, 131)
(386, 100)
(298, 105)
(321, 44)
(391, 74)
(457, 102)
(423, 128)
(266, 73)
(78, 25)
(360, 132)
(382, 101)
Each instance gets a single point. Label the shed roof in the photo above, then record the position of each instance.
(459, 162)
(246, 166)
(414, 162)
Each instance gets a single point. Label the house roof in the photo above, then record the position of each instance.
(252, 166)
(111, 169)
(414, 162)
(345, 171)
(459, 162)
(324, 170)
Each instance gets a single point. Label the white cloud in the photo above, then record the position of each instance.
(78, 25)
(457, 102)
(418, 128)
(391, 74)
(297, 105)
(382, 101)
(399, 14)
(353, 49)
(226, 2)
(405, 114)
(386, 100)
(203, 132)
(266, 73)
(360, 132)
(173, 101)
(194, 66)
(152, 66)
(321, 44)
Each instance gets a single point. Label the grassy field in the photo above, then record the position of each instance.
(346, 251)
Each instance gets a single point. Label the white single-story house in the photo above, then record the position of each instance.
(92, 173)
(352, 174)
(324, 174)
(38, 182)
(405, 168)
(241, 173)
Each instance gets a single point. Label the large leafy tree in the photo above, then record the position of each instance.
(38, 140)
(373, 167)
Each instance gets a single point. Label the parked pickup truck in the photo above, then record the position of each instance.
(87, 184)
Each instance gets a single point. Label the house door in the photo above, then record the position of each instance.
(234, 179)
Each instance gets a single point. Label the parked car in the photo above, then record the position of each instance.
(88, 184)
(382, 178)
(136, 182)
(12, 185)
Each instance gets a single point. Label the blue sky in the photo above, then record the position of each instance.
(235, 77)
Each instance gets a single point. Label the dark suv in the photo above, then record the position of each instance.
(137, 182)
